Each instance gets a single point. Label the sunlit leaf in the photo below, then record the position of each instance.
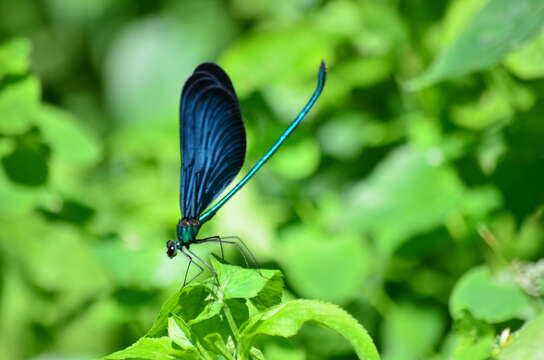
(364, 72)
(151, 57)
(478, 202)
(528, 61)
(297, 161)
(286, 319)
(14, 56)
(152, 349)
(275, 352)
(297, 58)
(345, 136)
(527, 343)
(216, 342)
(179, 332)
(412, 189)
(460, 12)
(410, 332)
(70, 142)
(498, 28)
(16, 199)
(490, 108)
(18, 104)
(128, 265)
(473, 338)
(236, 282)
(187, 302)
(487, 298)
(325, 266)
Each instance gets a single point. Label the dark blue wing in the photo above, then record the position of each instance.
(212, 137)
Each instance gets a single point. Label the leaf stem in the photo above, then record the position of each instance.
(233, 327)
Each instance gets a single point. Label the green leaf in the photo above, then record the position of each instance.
(126, 265)
(136, 140)
(216, 324)
(319, 340)
(346, 134)
(314, 273)
(497, 104)
(285, 320)
(459, 13)
(275, 352)
(498, 28)
(410, 332)
(341, 19)
(63, 133)
(220, 324)
(179, 332)
(201, 303)
(412, 189)
(18, 104)
(271, 294)
(14, 56)
(239, 310)
(153, 349)
(212, 333)
(187, 302)
(295, 59)
(138, 89)
(493, 299)
(473, 338)
(16, 199)
(27, 165)
(527, 342)
(212, 309)
(364, 72)
(257, 354)
(297, 161)
(479, 201)
(217, 344)
(490, 108)
(528, 62)
(47, 266)
(240, 283)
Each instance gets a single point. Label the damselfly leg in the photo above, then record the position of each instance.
(231, 240)
(240, 245)
(192, 256)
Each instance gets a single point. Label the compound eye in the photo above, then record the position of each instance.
(171, 250)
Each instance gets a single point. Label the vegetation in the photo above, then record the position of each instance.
(405, 211)
(207, 321)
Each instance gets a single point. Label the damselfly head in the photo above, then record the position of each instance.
(171, 249)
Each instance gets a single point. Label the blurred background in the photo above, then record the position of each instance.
(384, 201)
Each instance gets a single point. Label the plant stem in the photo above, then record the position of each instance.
(233, 328)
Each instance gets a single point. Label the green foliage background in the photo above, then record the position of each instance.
(411, 196)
